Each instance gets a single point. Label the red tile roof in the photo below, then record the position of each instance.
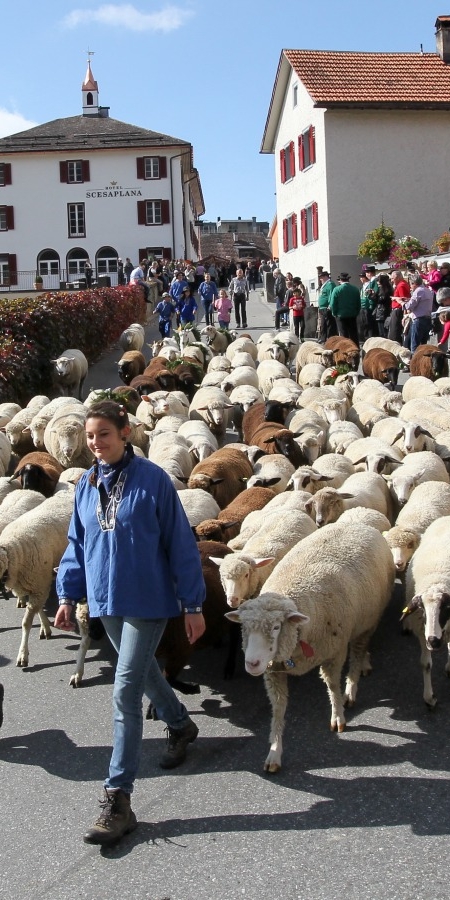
(390, 80)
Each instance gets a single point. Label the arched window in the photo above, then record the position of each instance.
(89, 99)
(76, 259)
(106, 261)
(48, 262)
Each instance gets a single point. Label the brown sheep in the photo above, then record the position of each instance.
(132, 363)
(273, 438)
(259, 412)
(381, 365)
(234, 514)
(346, 352)
(38, 471)
(212, 530)
(429, 362)
(145, 384)
(189, 377)
(224, 475)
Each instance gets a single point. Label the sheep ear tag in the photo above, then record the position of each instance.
(307, 649)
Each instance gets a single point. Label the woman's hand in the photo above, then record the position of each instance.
(63, 618)
(195, 626)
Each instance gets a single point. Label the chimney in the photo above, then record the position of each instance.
(442, 26)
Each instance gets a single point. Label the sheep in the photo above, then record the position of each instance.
(20, 439)
(30, 548)
(310, 430)
(310, 375)
(324, 597)
(273, 349)
(255, 520)
(212, 530)
(442, 445)
(408, 437)
(345, 352)
(403, 543)
(315, 397)
(244, 573)
(269, 370)
(373, 391)
(71, 368)
(285, 391)
(161, 403)
(360, 515)
(138, 435)
(38, 402)
(169, 424)
(419, 386)
(7, 487)
(198, 354)
(402, 354)
(417, 468)
(431, 413)
(215, 379)
(428, 598)
(199, 438)
(381, 365)
(198, 505)
(243, 397)
(216, 340)
(312, 352)
(243, 359)
(271, 471)
(340, 435)
(442, 385)
(65, 439)
(219, 363)
(242, 345)
(360, 489)
(272, 438)
(69, 478)
(330, 470)
(242, 375)
(374, 454)
(7, 412)
(174, 459)
(233, 515)
(38, 424)
(16, 504)
(364, 415)
(261, 412)
(5, 453)
(132, 338)
(212, 405)
(131, 363)
(427, 502)
(224, 475)
(429, 362)
(38, 471)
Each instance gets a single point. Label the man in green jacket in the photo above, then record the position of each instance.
(369, 298)
(327, 322)
(345, 305)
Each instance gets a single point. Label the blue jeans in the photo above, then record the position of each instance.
(137, 673)
(420, 329)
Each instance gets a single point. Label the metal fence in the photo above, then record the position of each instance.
(63, 281)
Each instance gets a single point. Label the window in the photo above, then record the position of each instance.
(295, 95)
(107, 261)
(151, 167)
(153, 212)
(76, 223)
(5, 174)
(287, 162)
(307, 148)
(48, 263)
(6, 218)
(309, 223)
(75, 262)
(8, 269)
(74, 171)
(290, 239)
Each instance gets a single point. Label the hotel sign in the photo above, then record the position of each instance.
(113, 190)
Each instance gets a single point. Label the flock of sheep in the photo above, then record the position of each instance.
(336, 484)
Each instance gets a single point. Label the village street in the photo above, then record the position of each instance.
(364, 814)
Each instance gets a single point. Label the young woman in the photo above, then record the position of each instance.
(132, 554)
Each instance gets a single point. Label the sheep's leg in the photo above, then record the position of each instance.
(82, 617)
(277, 691)
(45, 631)
(33, 606)
(447, 667)
(425, 662)
(359, 663)
(331, 672)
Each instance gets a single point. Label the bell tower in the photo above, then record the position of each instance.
(89, 92)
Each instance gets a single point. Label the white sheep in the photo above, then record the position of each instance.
(312, 352)
(65, 439)
(132, 338)
(243, 573)
(216, 340)
(20, 440)
(428, 598)
(310, 375)
(340, 435)
(255, 520)
(213, 406)
(427, 502)
(39, 422)
(214, 379)
(198, 506)
(16, 504)
(241, 375)
(5, 453)
(243, 359)
(69, 478)
(219, 363)
(433, 413)
(360, 515)
(169, 424)
(416, 468)
(364, 415)
(408, 437)
(268, 372)
(418, 386)
(7, 412)
(199, 438)
(71, 369)
(329, 470)
(175, 459)
(372, 391)
(374, 454)
(161, 403)
(272, 471)
(30, 548)
(7, 487)
(360, 489)
(242, 345)
(285, 391)
(403, 543)
(325, 597)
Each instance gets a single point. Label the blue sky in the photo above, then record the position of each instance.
(201, 70)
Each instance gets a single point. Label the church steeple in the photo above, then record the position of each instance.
(89, 93)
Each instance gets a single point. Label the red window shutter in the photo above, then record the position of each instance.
(165, 212)
(315, 221)
(12, 268)
(162, 167)
(9, 218)
(301, 153)
(282, 166)
(303, 227)
(312, 144)
(142, 254)
(285, 235)
(292, 159)
(142, 212)
(167, 253)
(86, 170)
(140, 167)
(7, 173)
(294, 231)
(63, 171)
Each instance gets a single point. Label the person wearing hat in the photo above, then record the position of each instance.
(369, 298)
(165, 309)
(186, 306)
(345, 304)
(327, 323)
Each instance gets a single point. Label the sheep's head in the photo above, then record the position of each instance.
(403, 543)
(269, 628)
(326, 505)
(236, 575)
(435, 606)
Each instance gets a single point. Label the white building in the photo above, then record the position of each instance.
(93, 187)
(358, 138)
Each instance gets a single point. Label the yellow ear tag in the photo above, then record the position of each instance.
(405, 611)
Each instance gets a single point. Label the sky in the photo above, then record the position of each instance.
(200, 70)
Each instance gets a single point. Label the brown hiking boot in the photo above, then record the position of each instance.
(177, 741)
(116, 819)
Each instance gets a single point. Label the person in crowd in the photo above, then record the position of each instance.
(382, 310)
(326, 322)
(208, 293)
(120, 272)
(177, 287)
(282, 308)
(297, 304)
(232, 270)
(212, 270)
(165, 310)
(132, 554)
(431, 275)
(444, 318)
(251, 274)
(402, 292)
(138, 277)
(88, 273)
(419, 307)
(444, 281)
(187, 306)
(190, 275)
(345, 304)
(239, 295)
(223, 305)
(128, 268)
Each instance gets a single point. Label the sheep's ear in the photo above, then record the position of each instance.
(229, 524)
(216, 480)
(387, 478)
(270, 440)
(13, 477)
(413, 604)
(356, 462)
(269, 482)
(419, 475)
(201, 408)
(26, 430)
(316, 476)
(145, 397)
(183, 479)
(262, 561)
(345, 496)
(420, 430)
(216, 560)
(309, 503)
(233, 616)
(297, 618)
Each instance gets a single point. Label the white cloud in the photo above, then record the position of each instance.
(127, 16)
(12, 122)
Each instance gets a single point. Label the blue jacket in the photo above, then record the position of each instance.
(176, 289)
(187, 309)
(147, 564)
(165, 309)
(208, 291)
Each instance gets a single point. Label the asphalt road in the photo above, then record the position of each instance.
(363, 814)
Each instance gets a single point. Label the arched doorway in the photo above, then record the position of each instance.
(49, 266)
(76, 259)
(106, 263)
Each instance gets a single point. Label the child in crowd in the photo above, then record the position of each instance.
(166, 309)
(297, 304)
(223, 305)
(186, 306)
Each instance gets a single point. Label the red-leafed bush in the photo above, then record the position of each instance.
(36, 330)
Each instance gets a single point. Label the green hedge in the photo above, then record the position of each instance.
(37, 330)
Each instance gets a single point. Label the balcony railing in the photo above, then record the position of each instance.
(64, 280)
